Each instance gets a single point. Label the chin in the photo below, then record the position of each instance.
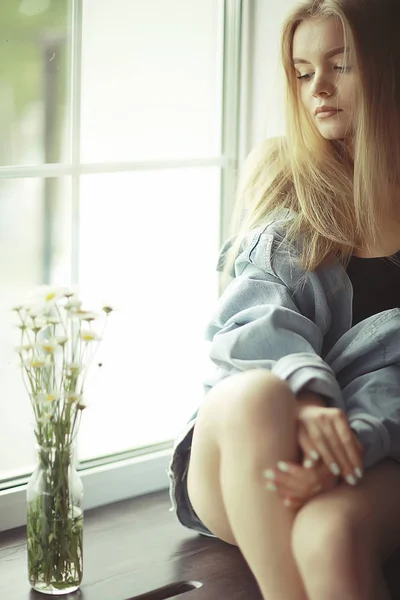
(332, 133)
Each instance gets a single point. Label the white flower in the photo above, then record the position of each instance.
(85, 315)
(74, 397)
(61, 339)
(73, 305)
(37, 324)
(53, 321)
(81, 405)
(89, 336)
(44, 418)
(47, 397)
(48, 346)
(24, 348)
(74, 367)
(50, 294)
(43, 299)
(36, 362)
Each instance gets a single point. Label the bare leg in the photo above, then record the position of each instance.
(247, 425)
(341, 538)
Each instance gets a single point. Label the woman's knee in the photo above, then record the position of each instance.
(258, 398)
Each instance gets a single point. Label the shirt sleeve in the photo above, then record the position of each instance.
(366, 362)
(374, 414)
(258, 324)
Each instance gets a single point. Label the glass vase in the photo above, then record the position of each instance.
(55, 522)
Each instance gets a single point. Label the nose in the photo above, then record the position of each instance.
(321, 86)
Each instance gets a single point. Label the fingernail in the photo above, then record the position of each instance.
(335, 469)
(287, 502)
(314, 455)
(282, 466)
(269, 474)
(351, 480)
(358, 472)
(271, 487)
(308, 463)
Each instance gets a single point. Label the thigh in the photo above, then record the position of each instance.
(372, 508)
(203, 475)
(225, 406)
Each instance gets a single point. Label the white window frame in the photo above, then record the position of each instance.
(142, 471)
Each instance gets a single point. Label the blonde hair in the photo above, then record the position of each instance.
(336, 201)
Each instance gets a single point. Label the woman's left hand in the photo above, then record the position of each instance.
(296, 484)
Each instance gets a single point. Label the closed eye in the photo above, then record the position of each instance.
(308, 76)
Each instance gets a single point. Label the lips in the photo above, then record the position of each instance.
(326, 109)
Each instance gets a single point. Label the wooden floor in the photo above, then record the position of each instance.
(137, 550)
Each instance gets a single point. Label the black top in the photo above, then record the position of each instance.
(376, 285)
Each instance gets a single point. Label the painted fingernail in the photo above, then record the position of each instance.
(314, 455)
(271, 487)
(351, 480)
(358, 472)
(308, 463)
(269, 474)
(335, 469)
(282, 466)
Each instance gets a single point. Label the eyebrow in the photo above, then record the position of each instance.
(333, 52)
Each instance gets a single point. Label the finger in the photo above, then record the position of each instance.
(284, 491)
(322, 446)
(293, 479)
(293, 474)
(339, 451)
(310, 454)
(292, 503)
(351, 444)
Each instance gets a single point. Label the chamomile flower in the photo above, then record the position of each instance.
(74, 397)
(23, 349)
(48, 346)
(47, 397)
(73, 305)
(36, 362)
(73, 367)
(86, 315)
(61, 339)
(89, 336)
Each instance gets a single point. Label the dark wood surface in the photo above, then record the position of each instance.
(137, 550)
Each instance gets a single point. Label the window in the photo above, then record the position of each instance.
(118, 159)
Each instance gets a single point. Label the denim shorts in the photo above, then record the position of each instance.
(177, 473)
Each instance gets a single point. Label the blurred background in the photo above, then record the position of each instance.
(123, 126)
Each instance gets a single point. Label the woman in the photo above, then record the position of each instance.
(293, 454)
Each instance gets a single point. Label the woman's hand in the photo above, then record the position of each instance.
(325, 433)
(296, 484)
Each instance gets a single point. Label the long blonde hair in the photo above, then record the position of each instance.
(336, 201)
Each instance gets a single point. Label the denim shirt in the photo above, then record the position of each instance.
(298, 324)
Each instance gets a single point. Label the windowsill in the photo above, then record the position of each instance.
(142, 473)
(134, 547)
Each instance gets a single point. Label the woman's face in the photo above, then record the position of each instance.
(318, 57)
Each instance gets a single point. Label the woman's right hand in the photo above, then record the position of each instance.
(327, 432)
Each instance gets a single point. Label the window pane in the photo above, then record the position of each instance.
(28, 209)
(149, 242)
(34, 71)
(151, 76)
